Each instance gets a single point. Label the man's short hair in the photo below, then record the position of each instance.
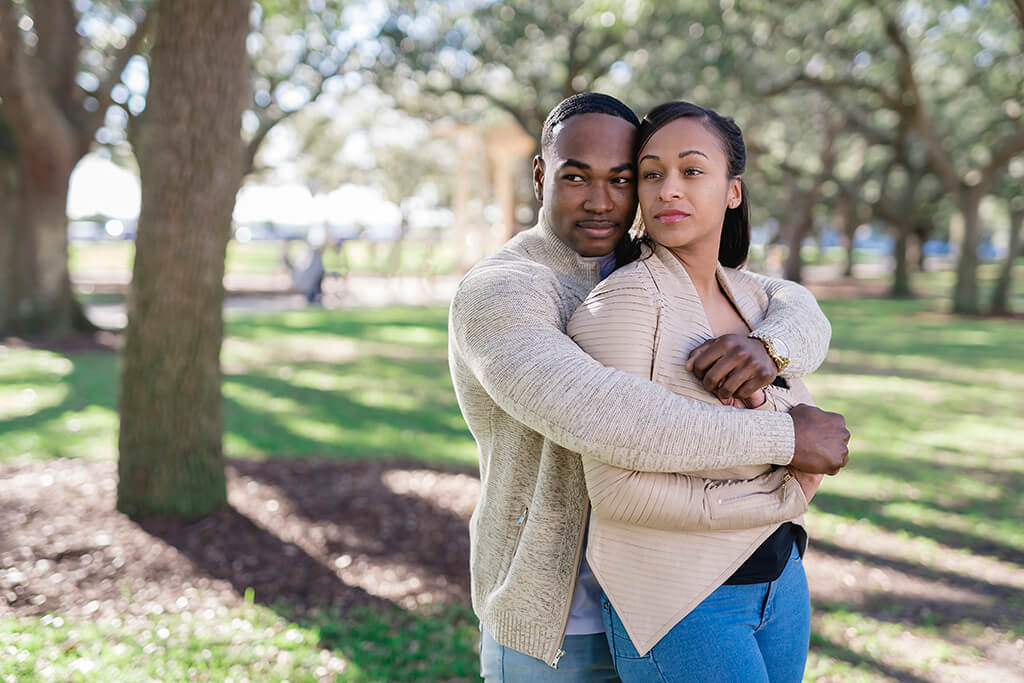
(583, 103)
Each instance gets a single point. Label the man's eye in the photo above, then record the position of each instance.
(621, 181)
(573, 177)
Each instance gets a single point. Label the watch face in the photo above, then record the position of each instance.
(781, 348)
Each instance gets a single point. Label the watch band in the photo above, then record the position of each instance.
(780, 361)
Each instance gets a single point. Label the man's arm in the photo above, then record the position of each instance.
(735, 365)
(505, 330)
(795, 317)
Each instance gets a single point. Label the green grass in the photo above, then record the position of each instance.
(357, 384)
(266, 258)
(249, 642)
(932, 491)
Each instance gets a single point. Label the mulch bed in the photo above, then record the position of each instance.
(302, 534)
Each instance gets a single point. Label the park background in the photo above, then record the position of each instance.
(202, 477)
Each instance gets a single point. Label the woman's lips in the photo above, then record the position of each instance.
(669, 216)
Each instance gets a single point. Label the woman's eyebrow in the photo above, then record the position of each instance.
(692, 151)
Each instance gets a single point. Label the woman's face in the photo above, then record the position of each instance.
(684, 186)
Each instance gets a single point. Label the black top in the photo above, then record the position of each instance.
(770, 558)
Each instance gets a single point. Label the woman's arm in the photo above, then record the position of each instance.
(681, 502)
(617, 325)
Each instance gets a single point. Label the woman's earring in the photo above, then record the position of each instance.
(638, 229)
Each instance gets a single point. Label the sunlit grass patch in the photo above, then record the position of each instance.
(251, 642)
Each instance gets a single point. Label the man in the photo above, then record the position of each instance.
(533, 400)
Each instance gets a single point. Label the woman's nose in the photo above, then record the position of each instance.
(670, 189)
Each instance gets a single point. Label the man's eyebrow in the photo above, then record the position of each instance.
(575, 163)
(628, 166)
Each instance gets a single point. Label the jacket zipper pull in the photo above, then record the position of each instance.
(522, 517)
(558, 656)
(782, 489)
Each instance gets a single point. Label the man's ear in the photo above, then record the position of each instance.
(538, 178)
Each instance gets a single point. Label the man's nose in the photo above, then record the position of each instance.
(598, 199)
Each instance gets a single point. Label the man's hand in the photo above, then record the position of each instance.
(808, 482)
(732, 365)
(821, 440)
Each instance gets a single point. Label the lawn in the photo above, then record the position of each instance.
(266, 258)
(917, 556)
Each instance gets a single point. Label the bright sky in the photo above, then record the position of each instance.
(98, 186)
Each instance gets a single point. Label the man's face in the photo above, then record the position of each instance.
(585, 181)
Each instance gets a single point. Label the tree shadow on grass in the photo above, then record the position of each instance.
(822, 646)
(368, 325)
(90, 382)
(423, 421)
(331, 546)
(858, 508)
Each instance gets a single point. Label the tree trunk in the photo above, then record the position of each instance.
(34, 278)
(797, 230)
(901, 275)
(191, 160)
(965, 292)
(8, 225)
(1001, 294)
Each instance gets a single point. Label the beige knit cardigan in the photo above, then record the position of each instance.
(653, 558)
(533, 400)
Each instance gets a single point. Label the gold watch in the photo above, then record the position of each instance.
(776, 348)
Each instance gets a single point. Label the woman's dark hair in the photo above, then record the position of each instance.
(735, 244)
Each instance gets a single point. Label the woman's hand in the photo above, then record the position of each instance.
(756, 400)
(808, 482)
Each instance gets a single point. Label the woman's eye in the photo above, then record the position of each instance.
(651, 175)
(693, 171)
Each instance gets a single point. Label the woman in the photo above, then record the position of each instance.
(683, 601)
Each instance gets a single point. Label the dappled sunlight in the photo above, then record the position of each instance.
(454, 493)
(866, 537)
(900, 650)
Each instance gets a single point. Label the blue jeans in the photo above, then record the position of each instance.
(752, 633)
(586, 660)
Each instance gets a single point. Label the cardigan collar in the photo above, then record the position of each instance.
(737, 289)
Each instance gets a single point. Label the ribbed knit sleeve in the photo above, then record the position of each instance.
(617, 325)
(506, 330)
(680, 502)
(795, 317)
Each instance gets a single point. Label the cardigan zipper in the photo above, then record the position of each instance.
(559, 653)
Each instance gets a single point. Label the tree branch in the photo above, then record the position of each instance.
(469, 91)
(1002, 152)
(58, 46)
(267, 124)
(30, 112)
(104, 93)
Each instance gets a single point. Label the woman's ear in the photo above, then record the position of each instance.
(735, 195)
(538, 178)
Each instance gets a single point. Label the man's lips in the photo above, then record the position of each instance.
(669, 216)
(598, 228)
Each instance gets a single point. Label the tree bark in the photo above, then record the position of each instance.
(1001, 294)
(46, 131)
(797, 229)
(901, 274)
(191, 158)
(965, 292)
